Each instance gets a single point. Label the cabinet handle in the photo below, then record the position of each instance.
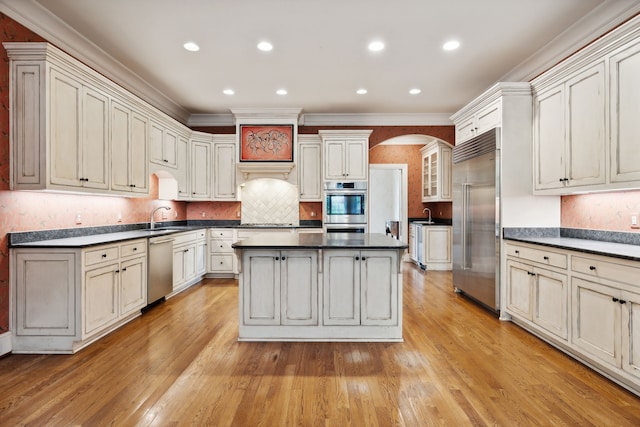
(165, 160)
(357, 258)
(546, 258)
(614, 299)
(186, 250)
(622, 301)
(104, 255)
(592, 267)
(124, 269)
(530, 273)
(117, 271)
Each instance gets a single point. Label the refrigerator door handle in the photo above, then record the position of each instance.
(466, 227)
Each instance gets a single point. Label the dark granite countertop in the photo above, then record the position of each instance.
(322, 241)
(614, 244)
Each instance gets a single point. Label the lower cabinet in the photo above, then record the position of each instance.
(437, 247)
(320, 295)
(64, 299)
(586, 305)
(189, 259)
(281, 288)
(222, 260)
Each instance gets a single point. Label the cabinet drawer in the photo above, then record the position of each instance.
(133, 248)
(201, 234)
(538, 255)
(221, 233)
(96, 256)
(606, 270)
(220, 246)
(182, 238)
(221, 263)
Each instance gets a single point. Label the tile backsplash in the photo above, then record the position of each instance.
(269, 201)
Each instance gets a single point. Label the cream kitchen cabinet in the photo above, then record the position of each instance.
(187, 261)
(280, 288)
(200, 155)
(129, 141)
(624, 75)
(201, 252)
(222, 260)
(182, 173)
(360, 288)
(346, 155)
(479, 122)
(224, 167)
(569, 132)
(437, 245)
(65, 299)
(436, 172)
(310, 168)
(163, 145)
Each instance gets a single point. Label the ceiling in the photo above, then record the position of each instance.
(320, 50)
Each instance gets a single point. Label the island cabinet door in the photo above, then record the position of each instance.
(299, 287)
(379, 287)
(261, 285)
(341, 305)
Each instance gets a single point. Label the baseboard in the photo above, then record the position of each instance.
(5, 343)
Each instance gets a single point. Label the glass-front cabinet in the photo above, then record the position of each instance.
(436, 171)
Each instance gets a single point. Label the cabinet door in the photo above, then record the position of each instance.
(261, 287)
(64, 128)
(549, 137)
(437, 244)
(379, 287)
(120, 140)
(299, 287)
(45, 293)
(139, 165)
(201, 257)
(309, 172)
(189, 254)
(488, 118)
(519, 289)
(156, 143)
(550, 301)
(95, 139)
(133, 285)
(597, 335)
(465, 130)
(341, 305)
(445, 178)
(624, 72)
(224, 181)
(631, 333)
(100, 305)
(200, 170)
(179, 273)
(585, 139)
(356, 160)
(334, 160)
(182, 173)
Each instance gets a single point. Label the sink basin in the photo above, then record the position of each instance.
(424, 222)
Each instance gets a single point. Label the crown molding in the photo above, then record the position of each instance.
(377, 119)
(39, 20)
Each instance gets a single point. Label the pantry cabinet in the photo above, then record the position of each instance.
(346, 155)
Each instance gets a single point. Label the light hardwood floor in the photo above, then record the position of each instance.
(180, 364)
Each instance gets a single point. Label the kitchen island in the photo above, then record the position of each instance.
(320, 287)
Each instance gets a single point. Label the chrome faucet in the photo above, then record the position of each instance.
(427, 210)
(153, 221)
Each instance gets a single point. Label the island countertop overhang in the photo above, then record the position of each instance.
(362, 241)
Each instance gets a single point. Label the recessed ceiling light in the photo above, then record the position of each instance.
(414, 91)
(376, 46)
(191, 46)
(228, 91)
(265, 46)
(361, 91)
(281, 91)
(451, 45)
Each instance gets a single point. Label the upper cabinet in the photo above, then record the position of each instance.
(224, 167)
(71, 128)
(200, 149)
(163, 145)
(310, 168)
(436, 172)
(479, 122)
(586, 127)
(346, 154)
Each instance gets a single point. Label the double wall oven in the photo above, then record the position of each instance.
(345, 207)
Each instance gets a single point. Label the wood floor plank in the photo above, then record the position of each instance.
(180, 364)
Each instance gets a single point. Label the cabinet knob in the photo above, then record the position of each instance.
(614, 299)
(517, 252)
(135, 249)
(104, 255)
(530, 273)
(277, 258)
(622, 301)
(124, 269)
(117, 271)
(546, 258)
(592, 267)
(165, 160)
(186, 250)
(283, 258)
(364, 259)
(357, 258)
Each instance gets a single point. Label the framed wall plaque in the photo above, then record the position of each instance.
(266, 143)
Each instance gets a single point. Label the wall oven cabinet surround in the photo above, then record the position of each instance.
(346, 154)
(71, 129)
(315, 287)
(586, 305)
(65, 299)
(585, 117)
(436, 172)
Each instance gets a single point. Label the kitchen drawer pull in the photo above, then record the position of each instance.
(546, 258)
(530, 273)
(135, 249)
(592, 267)
(117, 271)
(124, 269)
(517, 251)
(104, 255)
(622, 301)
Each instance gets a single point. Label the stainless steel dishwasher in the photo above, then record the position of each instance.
(160, 268)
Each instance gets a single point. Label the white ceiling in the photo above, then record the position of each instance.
(320, 49)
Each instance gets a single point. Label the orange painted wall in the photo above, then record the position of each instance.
(601, 211)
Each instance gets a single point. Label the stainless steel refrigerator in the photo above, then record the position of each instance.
(476, 219)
